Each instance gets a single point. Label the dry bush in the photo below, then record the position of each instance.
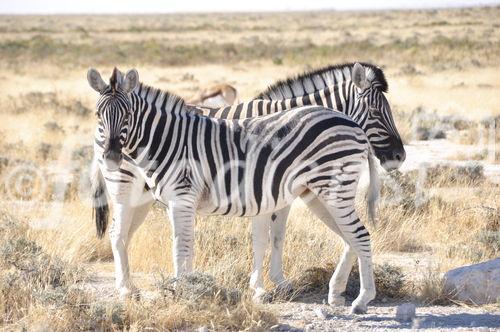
(459, 229)
(390, 283)
(470, 174)
(430, 289)
(29, 276)
(195, 287)
(72, 236)
(41, 291)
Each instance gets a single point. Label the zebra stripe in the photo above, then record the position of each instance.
(277, 157)
(223, 203)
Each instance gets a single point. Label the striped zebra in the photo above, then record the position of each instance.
(249, 167)
(132, 203)
(356, 89)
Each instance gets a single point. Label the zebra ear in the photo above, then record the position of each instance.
(95, 80)
(131, 81)
(359, 76)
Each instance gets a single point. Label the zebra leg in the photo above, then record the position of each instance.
(277, 236)
(181, 215)
(119, 234)
(260, 235)
(269, 225)
(130, 207)
(139, 215)
(356, 235)
(338, 282)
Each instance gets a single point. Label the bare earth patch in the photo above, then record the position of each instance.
(312, 314)
(382, 317)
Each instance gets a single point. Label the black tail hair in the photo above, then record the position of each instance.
(100, 206)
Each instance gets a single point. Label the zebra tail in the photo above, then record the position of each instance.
(100, 206)
(373, 189)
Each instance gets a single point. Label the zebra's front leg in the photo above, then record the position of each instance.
(119, 236)
(181, 214)
(277, 237)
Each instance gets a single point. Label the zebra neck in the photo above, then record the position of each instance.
(151, 109)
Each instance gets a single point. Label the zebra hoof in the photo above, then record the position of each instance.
(336, 301)
(358, 309)
(259, 296)
(126, 293)
(285, 287)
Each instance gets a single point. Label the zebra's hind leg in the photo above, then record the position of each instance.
(338, 282)
(356, 235)
(139, 215)
(181, 213)
(277, 237)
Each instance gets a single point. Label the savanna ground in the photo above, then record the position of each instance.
(441, 212)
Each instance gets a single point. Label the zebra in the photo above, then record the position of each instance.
(121, 185)
(247, 167)
(340, 87)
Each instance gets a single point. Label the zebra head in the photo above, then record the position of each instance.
(113, 111)
(378, 122)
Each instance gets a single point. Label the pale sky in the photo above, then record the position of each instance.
(159, 6)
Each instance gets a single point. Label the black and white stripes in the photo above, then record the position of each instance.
(252, 167)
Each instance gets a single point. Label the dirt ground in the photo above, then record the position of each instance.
(312, 313)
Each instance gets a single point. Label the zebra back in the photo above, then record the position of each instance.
(312, 81)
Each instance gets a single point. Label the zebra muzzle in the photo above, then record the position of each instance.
(113, 160)
(112, 154)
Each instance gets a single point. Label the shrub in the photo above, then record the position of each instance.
(195, 287)
(389, 282)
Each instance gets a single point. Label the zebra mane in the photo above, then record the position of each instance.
(319, 79)
(168, 99)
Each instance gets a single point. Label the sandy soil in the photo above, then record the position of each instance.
(382, 317)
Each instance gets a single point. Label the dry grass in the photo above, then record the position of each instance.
(36, 287)
(47, 130)
(430, 216)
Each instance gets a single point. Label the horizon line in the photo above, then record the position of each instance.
(257, 11)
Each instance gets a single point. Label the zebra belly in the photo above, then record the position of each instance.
(237, 209)
(241, 200)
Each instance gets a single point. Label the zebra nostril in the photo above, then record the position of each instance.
(399, 156)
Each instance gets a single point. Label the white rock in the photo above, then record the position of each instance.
(478, 283)
(203, 329)
(405, 312)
